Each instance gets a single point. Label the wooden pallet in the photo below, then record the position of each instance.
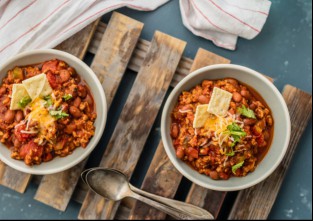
(159, 64)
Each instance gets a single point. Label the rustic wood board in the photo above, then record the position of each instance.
(116, 47)
(162, 177)
(109, 64)
(137, 118)
(256, 202)
(76, 45)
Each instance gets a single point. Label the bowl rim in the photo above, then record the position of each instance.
(103, 105)
(177, 89)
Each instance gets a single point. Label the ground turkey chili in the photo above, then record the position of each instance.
(223, 146)
(47, 126)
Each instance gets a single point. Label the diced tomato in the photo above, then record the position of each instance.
(31, 149)
(193, 153)
(50, 66)
(47, 157)
(21, 136)
(52, 80)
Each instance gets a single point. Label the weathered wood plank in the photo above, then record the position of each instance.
(109, 64)
(257, 202)
(137, 118)
(162, 177)
(76, 45)
(139, 55)
(13, 179)
(198, 195)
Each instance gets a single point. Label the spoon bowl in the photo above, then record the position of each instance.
(113, 185)
(108, 183)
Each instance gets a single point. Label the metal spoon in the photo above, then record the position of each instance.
(113, 185)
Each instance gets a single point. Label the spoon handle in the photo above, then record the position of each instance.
(176, 209)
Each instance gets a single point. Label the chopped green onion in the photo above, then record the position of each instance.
(66, 97)
(58, 114)
(236, 167)
(24, 101)
(48, 100)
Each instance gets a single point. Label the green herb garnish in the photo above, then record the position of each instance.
(246, 112)
(237, 133)
(48, 101)
(24, 101)
(230, 154)
(66, 97)
(236, 167)
(58, 114)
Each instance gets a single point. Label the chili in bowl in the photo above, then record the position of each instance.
(225, 127)
(52, 111)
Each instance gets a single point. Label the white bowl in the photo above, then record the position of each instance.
(59, 164)
(271, 96)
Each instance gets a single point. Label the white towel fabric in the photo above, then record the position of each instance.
(34, 24)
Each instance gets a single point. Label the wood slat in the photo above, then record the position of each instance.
(198, 195)
(137, 118)
(76, 45)
(109, 64)
(162, 177)
(257, 202)
(139, 55)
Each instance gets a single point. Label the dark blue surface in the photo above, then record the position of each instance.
(282, 51)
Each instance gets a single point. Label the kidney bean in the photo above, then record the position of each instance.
(237, 97)
(75, 112)
(9, 116)
(64, 75)
(252, 106)
(70, 128)
(246, 94)
(232, 81)
(77, 102)
(2, 90)
(174, 131)
(249, 121)
(180, 152)
(214, 175)
(89, 100)
(82, 92)
(223, 175)
(203, 99)
(19, 116)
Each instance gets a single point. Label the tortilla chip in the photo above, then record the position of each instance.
(34, 85)
(201, 116)
(219, 102)
(46, 88)
(18, 92)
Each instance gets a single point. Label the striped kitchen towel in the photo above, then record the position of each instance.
(38, 24)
